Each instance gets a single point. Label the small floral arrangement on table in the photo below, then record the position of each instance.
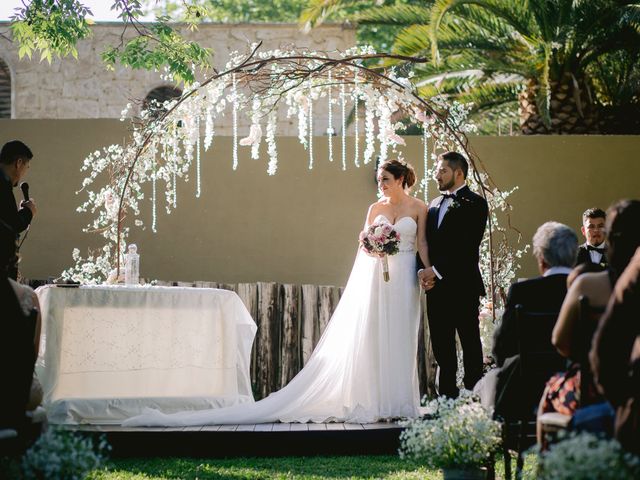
(585, 456)
(382, 240)
(456, 434)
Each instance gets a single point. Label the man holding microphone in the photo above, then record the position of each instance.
(15, 158)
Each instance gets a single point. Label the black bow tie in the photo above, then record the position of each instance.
(452, 196)
(591, 248)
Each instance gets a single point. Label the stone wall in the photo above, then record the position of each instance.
(84, 88)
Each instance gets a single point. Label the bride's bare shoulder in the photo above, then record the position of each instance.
(418, 204)
(374, 210)
(376, 206)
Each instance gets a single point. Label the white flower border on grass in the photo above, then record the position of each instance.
(584, 456)
(457, 433)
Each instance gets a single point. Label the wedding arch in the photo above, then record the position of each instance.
(167, 139)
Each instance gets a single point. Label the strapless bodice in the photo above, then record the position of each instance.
(407, 228)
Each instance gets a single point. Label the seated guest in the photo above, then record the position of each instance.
(17, 356)
(615, 355)
(572, 339)
(554, 247)
(26, 301)
(624, 237)
(593, 251)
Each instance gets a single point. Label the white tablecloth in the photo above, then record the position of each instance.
(109, 351)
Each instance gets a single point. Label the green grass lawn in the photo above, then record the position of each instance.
(290, 468)
(298, 468)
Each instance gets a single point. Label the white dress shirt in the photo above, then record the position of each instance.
(557, 271)
(444, 206)
(596, 257)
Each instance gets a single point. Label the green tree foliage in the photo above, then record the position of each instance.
(52, 28)
(285, 11)
(235, 11)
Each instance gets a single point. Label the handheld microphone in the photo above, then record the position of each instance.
(24, 186)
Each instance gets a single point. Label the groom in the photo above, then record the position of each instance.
(455, 226)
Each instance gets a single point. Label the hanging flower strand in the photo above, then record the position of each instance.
(234, 99)
(154, 176)
(198, 183)
(330, 121)
(356, 94)
(272, 168)
(310, 127)
(425, 141)
(344, 126)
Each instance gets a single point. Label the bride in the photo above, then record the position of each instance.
(364, 367)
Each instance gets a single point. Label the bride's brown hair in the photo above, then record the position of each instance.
(400, 168)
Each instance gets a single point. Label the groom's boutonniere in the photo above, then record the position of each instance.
(458, 202)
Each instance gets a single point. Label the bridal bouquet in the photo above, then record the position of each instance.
(382, 240)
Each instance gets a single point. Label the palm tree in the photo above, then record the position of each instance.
(570, 66)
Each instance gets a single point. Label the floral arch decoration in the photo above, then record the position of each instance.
(166, 147)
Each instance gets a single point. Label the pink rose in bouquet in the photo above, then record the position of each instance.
(382, 240)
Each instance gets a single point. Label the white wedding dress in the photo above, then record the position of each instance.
(364, 367)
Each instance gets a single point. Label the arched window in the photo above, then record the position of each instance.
(5, 90)
(156, 98)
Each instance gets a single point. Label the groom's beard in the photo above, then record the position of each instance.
(446, 186)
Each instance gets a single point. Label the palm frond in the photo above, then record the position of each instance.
(413, 40)
(549, 15)
(616, 77)
(483, 96)
(450, 81)
(489, 95)
(631, 16)
(399, 15)
(493, 25)
(489, 63)
(317, 11)
(514, 13)
(478, 37)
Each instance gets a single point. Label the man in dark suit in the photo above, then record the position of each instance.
(593, 251)
(554, 247)
(455, 226)
(15, 158)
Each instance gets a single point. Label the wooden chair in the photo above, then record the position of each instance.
(538, 361)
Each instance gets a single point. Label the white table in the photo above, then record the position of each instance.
(107, 352)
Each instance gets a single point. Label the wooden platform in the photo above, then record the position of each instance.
(260, 440)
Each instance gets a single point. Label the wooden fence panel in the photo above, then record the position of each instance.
(309, 312)
(269, 320)
(248, 293)
(291, 352)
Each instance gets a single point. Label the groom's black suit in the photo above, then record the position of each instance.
(452, 304)
(585, 257)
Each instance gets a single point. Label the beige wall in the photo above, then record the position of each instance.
(299, 226)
